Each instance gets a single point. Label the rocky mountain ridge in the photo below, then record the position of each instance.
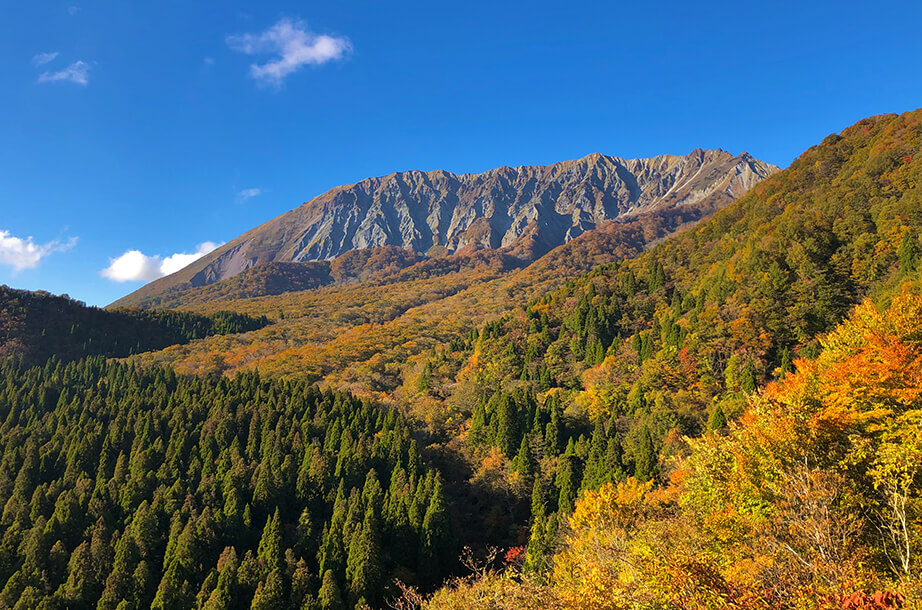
(528, 210)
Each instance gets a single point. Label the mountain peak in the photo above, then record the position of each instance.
(549, 205)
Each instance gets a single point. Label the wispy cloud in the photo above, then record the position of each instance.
(247, 194)
(44, 58)
(20, 253)
(73, 10)
(135, 266)
(77, 72)
(292, 46)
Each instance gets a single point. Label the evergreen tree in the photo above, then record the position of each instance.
(270, 545)
(329, 597)
(222, 597)
(425, 378)
(646, 461)
(507, 430)
(122, 448)
(552, 438)
(787, 366)
(718, 420)
(365, 560)
(909, 252)
(524, 463)
(537, 500)
(435, 535)
(270, 593)
(568, 482)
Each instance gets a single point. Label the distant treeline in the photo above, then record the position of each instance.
(37, 325)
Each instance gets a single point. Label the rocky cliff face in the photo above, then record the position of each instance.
(545, 205)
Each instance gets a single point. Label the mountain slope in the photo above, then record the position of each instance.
(542, 206)
(343, 330)
(36, 325)
(670, 343)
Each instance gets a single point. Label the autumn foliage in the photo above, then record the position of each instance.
(811, 500)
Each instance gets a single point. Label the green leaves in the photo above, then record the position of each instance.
(149, 486)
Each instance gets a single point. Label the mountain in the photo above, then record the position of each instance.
(526, 210)
(371, 311)
(641, 380)
(596, 415)
(730, 303)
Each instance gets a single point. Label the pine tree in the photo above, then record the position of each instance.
(537, 500)
(596, 472)
(425, 378)
(435, 535)
(270, 594)
(718, 420)
(614, 458)
(270, 545)
(222, 597)
(506, 427)
(552, 432)
(568, 482)
(646, 460)
(329, 597)
(787, 365)
(636, 399)
(477, 435)
(365, 560)
(909, 252)
(524, 463)
(301, 589)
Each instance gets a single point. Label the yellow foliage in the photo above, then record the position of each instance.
(598, 558)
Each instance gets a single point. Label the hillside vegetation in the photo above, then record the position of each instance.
(810, 500)
(360, 334)
(35, 326)
(124, 488)
(629, 362)
(683, 410)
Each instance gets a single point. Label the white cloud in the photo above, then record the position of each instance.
(44, 58)
(131, 266)
(73, 10)
(78, 72)
(134, 265)
(246, 194)
(174, 263)
(292, 45)
(22, 254)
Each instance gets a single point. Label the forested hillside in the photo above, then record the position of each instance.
(36, 326)
(634, 357)
(810, 500)
(725, 416)
(371, 265)
(624, 365)
(124, 488)
(361, 333)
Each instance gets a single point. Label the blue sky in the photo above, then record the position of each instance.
(153, 128)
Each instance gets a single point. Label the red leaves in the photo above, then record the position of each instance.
(514, 556)
(859, 600)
